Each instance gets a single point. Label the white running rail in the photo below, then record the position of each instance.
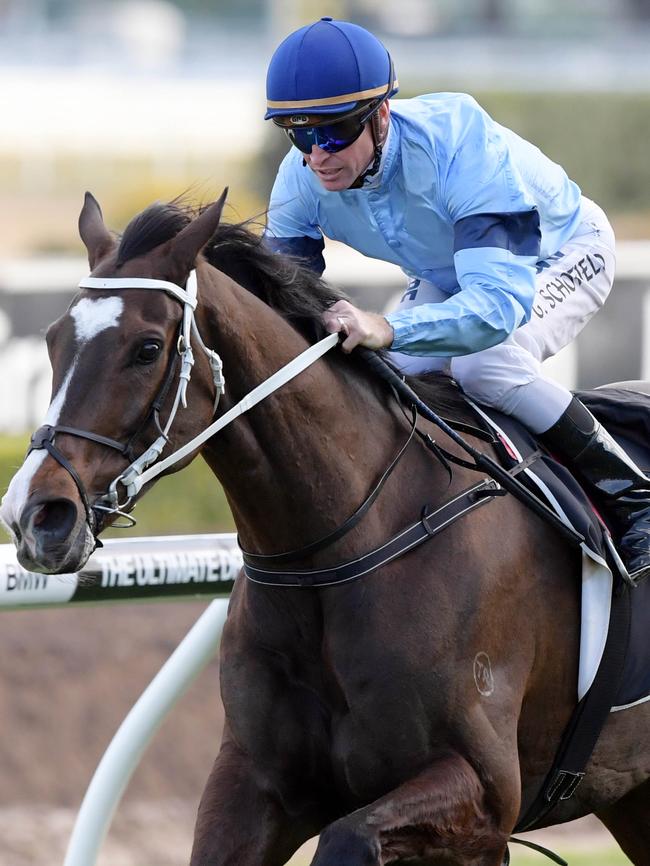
(188, 566)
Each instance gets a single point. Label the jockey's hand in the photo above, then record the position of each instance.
(360, 327)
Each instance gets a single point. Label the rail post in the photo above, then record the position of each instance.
(122, 756)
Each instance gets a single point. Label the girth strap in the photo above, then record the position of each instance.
(431, 523)
(581, 734)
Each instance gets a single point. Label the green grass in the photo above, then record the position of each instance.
(610, 856)
(191, 501)
(596, 849)
(12, 453)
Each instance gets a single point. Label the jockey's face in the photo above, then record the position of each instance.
(338, 171)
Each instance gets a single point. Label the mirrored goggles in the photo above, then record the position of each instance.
(330, 137)
(304, 131)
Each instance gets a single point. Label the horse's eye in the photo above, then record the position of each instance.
(148, 352)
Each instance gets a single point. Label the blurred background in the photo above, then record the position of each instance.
(143, 100)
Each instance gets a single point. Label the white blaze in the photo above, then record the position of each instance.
(15, 498)
(52, 415)
(91, 317)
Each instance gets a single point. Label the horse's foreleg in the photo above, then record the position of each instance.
(628, 820)
(240, 821)
(441, 815)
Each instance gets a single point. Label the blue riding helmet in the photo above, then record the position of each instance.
(327, 68)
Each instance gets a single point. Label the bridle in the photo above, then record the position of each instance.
(44, 437)
(142, 470)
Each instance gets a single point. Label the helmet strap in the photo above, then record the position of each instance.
(378, 139)
(375, 129)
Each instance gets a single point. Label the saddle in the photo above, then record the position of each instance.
(624, 410)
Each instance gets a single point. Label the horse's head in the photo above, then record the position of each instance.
(119, 357)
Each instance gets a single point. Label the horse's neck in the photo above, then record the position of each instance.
(297, 464)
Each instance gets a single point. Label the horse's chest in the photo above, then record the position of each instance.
(372, 743)
(350, 710)
(374, 750)
(335, 735)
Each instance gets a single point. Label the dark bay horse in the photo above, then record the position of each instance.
(411, 714)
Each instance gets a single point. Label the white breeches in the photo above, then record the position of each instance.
(571, 286)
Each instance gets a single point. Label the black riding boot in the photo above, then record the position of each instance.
(617, 485)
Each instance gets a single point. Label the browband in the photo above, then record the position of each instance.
(185, 296)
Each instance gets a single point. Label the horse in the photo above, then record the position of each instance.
(407, 715)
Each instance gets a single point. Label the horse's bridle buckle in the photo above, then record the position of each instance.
(40, 437)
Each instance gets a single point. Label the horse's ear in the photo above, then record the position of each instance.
(97, 238)
(188, 243)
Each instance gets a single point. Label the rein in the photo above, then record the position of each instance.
(148, 466)
(134, 479)
(321, 543)
(481, 460)
(141, 470)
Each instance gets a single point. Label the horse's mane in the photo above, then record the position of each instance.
(158, 223)
(283, 282)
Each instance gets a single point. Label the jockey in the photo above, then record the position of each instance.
(506, 259)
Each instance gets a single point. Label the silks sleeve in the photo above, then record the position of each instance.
(496, 248)
(291, 226)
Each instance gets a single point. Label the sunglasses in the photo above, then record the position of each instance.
(330, 137)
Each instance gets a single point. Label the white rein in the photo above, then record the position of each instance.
(143, 470)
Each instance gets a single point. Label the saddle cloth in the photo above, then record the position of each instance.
(625, 413)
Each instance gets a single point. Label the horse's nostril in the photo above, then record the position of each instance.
(40, 516)
(53, 519)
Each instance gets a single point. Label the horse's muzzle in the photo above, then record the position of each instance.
(53, 537)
